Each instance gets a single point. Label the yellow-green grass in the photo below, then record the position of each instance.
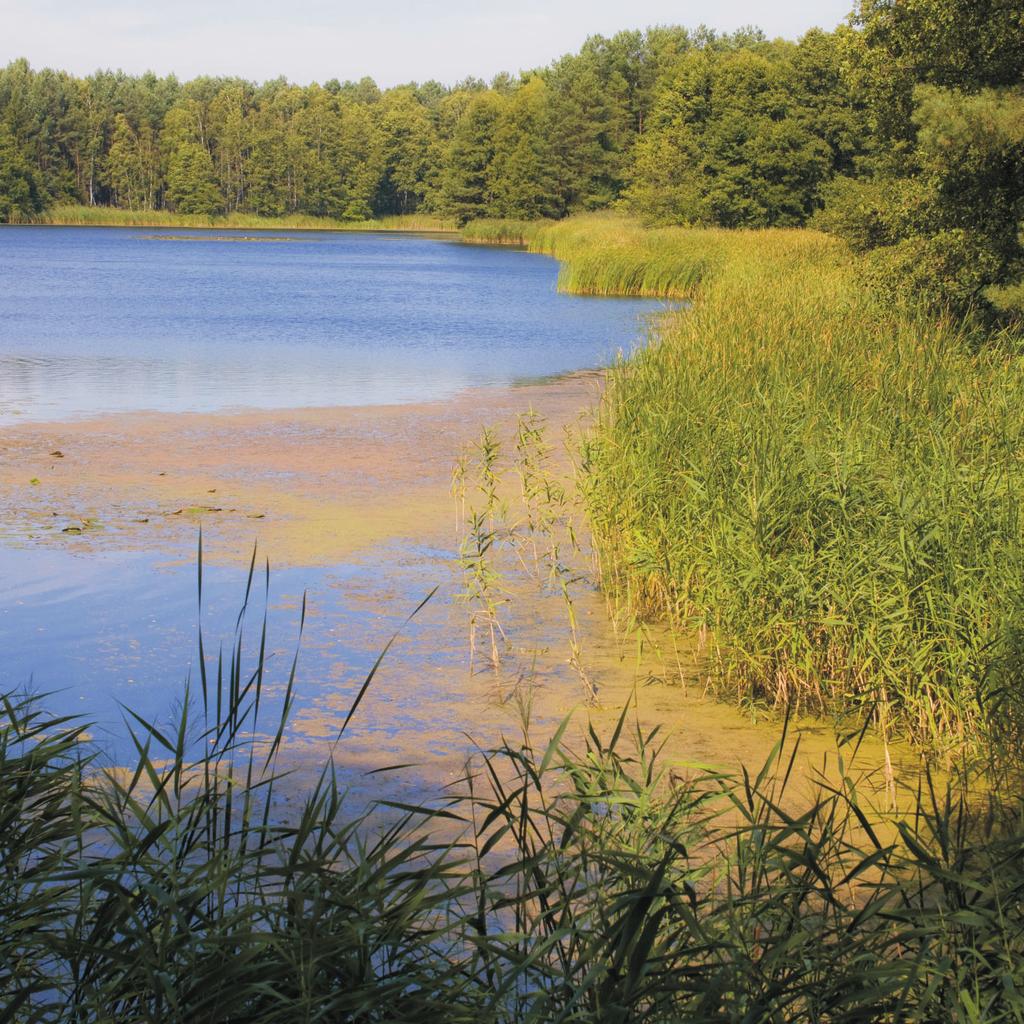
(825, 487)
(606, 254)
(108, 216)
(497, 231)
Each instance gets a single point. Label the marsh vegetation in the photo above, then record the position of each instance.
(854, 551)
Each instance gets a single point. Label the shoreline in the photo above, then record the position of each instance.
(113, 217)
(595, 375)
(323, 482)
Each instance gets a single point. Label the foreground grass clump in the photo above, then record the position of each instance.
(550, 884)
(828, 488)
(555, 885)
(109, 216)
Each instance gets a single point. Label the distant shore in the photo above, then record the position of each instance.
(109, 216)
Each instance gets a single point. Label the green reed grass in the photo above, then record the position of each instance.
(477, 474)
(825, 488)
(605, 255)
(494, 231)
(108, 216)
(561, 883)
(504, 534)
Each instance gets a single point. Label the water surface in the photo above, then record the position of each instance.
(93, 633)
(100, 320)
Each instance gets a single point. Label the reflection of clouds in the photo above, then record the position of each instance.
(42, 388)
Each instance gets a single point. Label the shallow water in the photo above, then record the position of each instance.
(97, 320)
(100, 632)
(99, 520)
(97, 632)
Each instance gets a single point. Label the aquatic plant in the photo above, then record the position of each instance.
(824, 487)
(480, 470)
(606, 255)
(535, 535)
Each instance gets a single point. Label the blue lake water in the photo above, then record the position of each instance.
(95, 633)
(96, 320)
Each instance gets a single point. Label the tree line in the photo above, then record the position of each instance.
(903, 130)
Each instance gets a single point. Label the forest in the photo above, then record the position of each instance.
(902, 131)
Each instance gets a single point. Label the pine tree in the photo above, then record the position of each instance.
(19, 189)
(523, 176)
(464, 184)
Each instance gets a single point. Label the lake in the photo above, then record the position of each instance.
(98, 587)
(100, 320)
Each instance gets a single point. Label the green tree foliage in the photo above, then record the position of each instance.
(132, 166)
(939, 207)
(191, 184)
(523, 173)
(407, 129)
(360, 160)
(589, 101)
(900, 131)
(734, 140)
(191, 181)
(465, 183)
(542, 144)
(19, 191)
(230, 127)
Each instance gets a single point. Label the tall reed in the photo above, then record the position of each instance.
(552, 884)
(479, 471)
(829, 488)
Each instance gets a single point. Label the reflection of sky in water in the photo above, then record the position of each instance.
(102, 320)
(98, 630)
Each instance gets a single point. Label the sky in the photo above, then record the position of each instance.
(393, 41)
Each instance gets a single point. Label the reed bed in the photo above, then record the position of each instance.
(825, 488)
(586, 882)
(608, 255)
(496, 231)
(106, 216)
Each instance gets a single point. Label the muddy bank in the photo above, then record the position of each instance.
(316, 486)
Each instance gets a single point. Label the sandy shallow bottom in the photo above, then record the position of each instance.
(370, 489)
